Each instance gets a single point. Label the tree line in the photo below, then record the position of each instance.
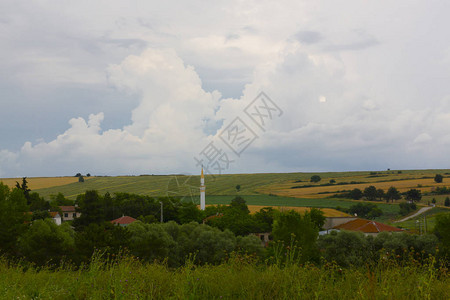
(182, 234)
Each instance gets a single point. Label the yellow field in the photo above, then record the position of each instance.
(35, 183)
(327, 212)
(284, 189)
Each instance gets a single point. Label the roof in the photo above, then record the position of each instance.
(366, 226)
(53, 214)
(123, 220)
(67, 208)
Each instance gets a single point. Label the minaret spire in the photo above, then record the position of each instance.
(202, 191)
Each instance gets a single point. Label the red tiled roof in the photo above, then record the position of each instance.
(67, 208)
(366, 226)
(53, 213)
(124, 220)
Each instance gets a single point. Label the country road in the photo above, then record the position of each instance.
(421, 211)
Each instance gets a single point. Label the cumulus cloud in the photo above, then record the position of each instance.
(359, 88)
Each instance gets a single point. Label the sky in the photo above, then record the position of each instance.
(163, 87)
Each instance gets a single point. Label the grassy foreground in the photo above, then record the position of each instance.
(239, 278)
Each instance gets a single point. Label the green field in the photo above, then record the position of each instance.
(427, 220)
(262, 189)
(251, 184)
(238, 278)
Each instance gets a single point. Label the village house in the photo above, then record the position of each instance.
(368, 227)
(69, 213)
(55, 217)
(123, 221)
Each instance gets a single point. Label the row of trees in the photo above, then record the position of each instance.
(227, 229)
(371, 193)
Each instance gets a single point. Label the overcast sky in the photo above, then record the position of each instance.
(143, 87)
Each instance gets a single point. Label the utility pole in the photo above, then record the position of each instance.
(162, 218)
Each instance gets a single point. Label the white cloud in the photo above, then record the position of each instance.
(361, 86)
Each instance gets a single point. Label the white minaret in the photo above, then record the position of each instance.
(202, 191)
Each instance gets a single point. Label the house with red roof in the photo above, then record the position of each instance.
(55, 217)
(123, 221)
(69, 212)
(368, 227)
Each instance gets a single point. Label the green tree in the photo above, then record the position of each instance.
(355, 194)
(291, 228)
(239, 203)
(392, 194)
(413, 195)
(60, 199)
(370, 193)
(438, 178)
(365, 210)
(38, 203)
(91, 209)
(315, 178)
(102, 237)
(442, 231)
(40, 215)
(380, 194)
(24, 187)
(80, 179)
(13, 215)
(238, 188)
(150, 241)
(447, 201)
(47, 242)
(188, 212)
(264, 219)
(317, 217)
(345, 248)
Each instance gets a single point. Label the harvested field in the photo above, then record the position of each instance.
(285, 189)
(328, 212)
(35, 183)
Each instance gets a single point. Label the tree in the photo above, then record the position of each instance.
(433, 201)
(264, 219)
(447, 201)
(38, 203)
(80, 179)
(413, 195)
(365, 210)
(78, 175)
(370, 193)
(316, 216)
(392, 194)
(238, 188)
(332, 181)
(291, 228)
(13, 215)
(91, 209)
(24, 187)
(102, 237)
(189, 212)
(239, 203)
(355, 194)
(150, 241)
(380, 194)
(438, 178)
(47, 242)
(88, 175)
(442, 231)
(345, 248)
(315, 178)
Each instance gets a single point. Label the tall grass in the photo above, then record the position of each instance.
(238, 278)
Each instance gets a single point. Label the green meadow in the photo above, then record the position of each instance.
(237, 278)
